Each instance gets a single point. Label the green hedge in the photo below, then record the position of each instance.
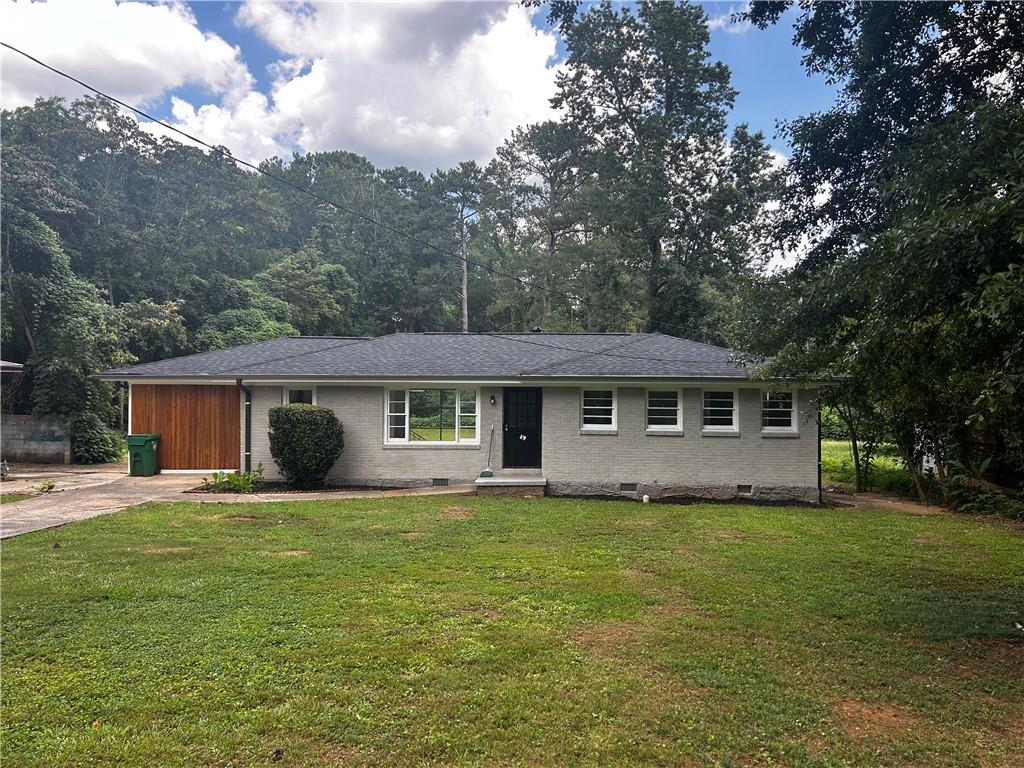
(305, 441)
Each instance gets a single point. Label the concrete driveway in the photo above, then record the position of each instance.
(79, 496)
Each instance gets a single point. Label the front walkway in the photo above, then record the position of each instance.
(103, 494)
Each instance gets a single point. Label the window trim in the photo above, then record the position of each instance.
(793, 420)
(678, 427)
(614, 426)
(288, 388)
(458, 441)
(733, 428)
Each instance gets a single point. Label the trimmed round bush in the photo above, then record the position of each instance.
(305, 441)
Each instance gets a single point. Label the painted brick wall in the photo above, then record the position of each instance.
(366, 459)
(568, 456)
(690, 459)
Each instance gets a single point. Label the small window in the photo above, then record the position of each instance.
(720, 411)
(598, 409)
(664, 410)
(777, 411)
(432, 416)
(293, 396)
(397, 415)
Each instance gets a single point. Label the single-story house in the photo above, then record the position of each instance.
(619, 414)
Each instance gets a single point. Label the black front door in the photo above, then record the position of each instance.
(521, 447)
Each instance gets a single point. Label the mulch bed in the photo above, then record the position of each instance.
(285, 488)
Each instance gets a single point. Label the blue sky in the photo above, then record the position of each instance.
(423, 84)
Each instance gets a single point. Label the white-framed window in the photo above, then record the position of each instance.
(664, 410)
(720, 411)
(777, 412)
(597, 409)
(429, 415)
(292, 395)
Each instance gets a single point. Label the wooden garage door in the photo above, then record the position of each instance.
(198, 425)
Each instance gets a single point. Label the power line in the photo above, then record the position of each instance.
(305, 190)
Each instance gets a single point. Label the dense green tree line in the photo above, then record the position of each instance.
(909, 192)
(121, 247)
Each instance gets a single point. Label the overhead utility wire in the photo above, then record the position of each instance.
(304, 190)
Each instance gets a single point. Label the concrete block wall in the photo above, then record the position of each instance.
(366, 460)
(34, 439)
(687, 463)
(777, 467)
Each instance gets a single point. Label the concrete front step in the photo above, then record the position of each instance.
(506, 483)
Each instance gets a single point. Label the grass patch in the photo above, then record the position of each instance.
(410, 631)
(887, 475)
(10, 498)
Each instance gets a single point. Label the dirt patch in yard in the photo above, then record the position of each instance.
(241, 518)
(610, 638)
(725, 533)
(928, 539)
(861, 719)
(413, 534)
(293, 553)
(459, 513)
(1008, 648)
(164, 550)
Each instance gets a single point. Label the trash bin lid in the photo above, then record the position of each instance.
(143, 438)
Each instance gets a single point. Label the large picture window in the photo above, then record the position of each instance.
(720, 411)
(777, 412)
(664, 410)
(432, 416)
(598, 409)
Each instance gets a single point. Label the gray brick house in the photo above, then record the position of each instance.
(591, 414)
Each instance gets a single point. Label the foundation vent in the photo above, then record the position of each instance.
(439, 482)
(627, 487)
(744, 490)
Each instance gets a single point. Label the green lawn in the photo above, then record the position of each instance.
(473, 631)
(887, 473)
(10, 498)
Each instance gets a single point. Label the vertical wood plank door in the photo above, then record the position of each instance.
(198, 424)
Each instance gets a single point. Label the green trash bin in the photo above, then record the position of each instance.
(142, 455)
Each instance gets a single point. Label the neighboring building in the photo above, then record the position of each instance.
(574, 414)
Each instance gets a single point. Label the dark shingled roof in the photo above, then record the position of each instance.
(455, 356)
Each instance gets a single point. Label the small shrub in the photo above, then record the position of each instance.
(234, 482)
(305, 441)
(93, 442)
(45, 486)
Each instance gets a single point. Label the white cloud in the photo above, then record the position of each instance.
(725, 23)
(135, 51)
(421, 84)
(424, 85)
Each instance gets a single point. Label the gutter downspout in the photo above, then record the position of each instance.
(248, 427)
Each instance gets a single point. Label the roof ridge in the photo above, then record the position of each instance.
(209, 352)
(352, 341)
(693, 341)
(636, 337)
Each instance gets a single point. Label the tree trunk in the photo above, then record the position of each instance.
(653, 278)
(465, 283)
(915, 475)
(547, 279)
(846, 414)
